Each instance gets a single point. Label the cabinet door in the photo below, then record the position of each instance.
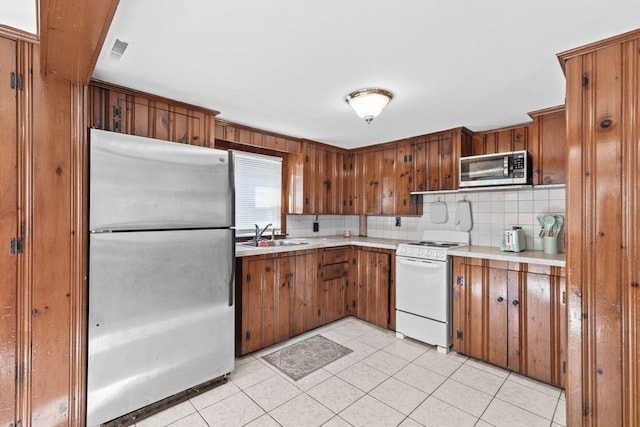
(360, 183)
(252, 306)
(349, 180)
(305, 312)
(8, 230)
(549, 147)
(404, 179)
(544, 324)
(468, 307)
(497, 334)
(448, 180)
(309, 177)
(388, 199)
(373, 180)
(537, 326)
(373, 287)
(286, 268)
(420, 181)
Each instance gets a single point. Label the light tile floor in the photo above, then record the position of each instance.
(385, 381)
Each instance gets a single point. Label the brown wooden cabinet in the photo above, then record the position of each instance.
(511, 315)
(372, 285)
(603, 248)
(255, 138)
(436, 159)
(317, 176)
(123, 110)
(548, 145)
(512, 138)
(332, 297)
(269, 289)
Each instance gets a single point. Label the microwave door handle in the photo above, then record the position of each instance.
(486, 173)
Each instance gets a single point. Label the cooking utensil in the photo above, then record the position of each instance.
(559, 223)
(549, 221)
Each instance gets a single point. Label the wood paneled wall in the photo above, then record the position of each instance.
(603, 194)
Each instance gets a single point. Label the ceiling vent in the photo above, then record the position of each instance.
(119, 47)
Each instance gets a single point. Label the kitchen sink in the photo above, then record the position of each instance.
(272, 243)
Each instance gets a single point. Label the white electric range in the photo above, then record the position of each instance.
(424, 287)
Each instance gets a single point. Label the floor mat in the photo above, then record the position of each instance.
(300, 359)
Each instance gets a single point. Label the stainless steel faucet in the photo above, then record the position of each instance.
(260, 233)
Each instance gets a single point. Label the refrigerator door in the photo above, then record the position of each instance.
(144, 183)
(161, 318)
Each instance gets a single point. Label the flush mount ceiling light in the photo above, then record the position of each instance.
(368, 103)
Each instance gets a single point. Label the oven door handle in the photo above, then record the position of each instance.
(421, 262)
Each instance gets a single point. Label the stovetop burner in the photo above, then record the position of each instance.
(435, 244)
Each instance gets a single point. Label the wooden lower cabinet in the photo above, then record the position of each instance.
(372, 285)
(269, 290)
(285, 294)
(512, 315)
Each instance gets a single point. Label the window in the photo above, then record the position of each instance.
(258, 181)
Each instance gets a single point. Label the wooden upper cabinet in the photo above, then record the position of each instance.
(349, 205)
(121, 110)
(244, 135)
(548, 145)
(388, 179)
(436, 159)
(317, 178)
(513, 138)
(404, 176)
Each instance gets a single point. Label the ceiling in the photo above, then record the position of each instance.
(287, 65)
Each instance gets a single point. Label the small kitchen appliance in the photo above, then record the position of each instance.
(511, 168)
(513, 240)
(424, 287)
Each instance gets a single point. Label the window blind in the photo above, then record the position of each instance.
(258, 182)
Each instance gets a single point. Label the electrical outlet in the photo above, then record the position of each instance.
(398, 221)
(316, 227)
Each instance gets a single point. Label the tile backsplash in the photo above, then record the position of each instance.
(491, 212)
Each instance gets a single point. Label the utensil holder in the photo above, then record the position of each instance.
(550, 244)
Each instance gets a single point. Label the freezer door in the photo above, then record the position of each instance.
(144, 183)
(160, 321)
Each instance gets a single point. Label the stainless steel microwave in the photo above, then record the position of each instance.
(510, 168)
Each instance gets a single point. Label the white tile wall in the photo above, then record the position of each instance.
(491, 211)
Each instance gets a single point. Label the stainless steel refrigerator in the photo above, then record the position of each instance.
(161, 256)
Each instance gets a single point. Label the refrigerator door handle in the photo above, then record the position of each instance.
(233, 267)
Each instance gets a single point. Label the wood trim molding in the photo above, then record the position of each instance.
(563, 57)
(72, 33)
(550, 110)
(149, 96)
(16, 34)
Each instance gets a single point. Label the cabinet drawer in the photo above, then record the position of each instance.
(334, 256)
(335, 271)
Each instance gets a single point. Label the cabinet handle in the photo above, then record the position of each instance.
(500, 299)
(515, 303)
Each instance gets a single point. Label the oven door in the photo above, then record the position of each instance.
(422, 288)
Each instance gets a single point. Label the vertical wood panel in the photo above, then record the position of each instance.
(630, 227)
(497, 319)
(8, 229)
(602, 208)
(57, 292)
